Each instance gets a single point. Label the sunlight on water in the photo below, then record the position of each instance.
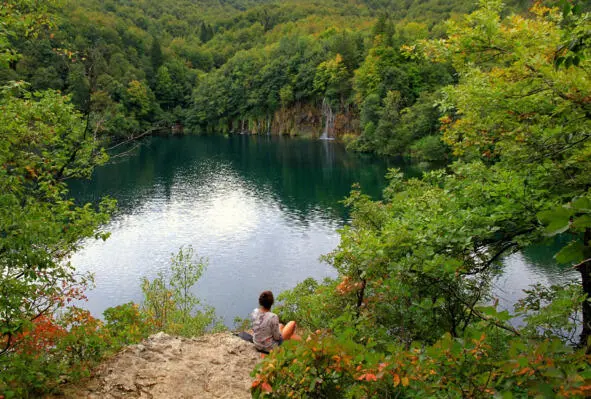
(253, 237)
(262, 211)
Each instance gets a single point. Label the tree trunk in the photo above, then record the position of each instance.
(585, 270)
(361, 296)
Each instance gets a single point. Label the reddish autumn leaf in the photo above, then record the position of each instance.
(367, 377)
(266, 387)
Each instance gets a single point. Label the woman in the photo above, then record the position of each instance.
(268, 333)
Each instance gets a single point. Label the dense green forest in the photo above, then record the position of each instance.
(503, 92)
(290, 67)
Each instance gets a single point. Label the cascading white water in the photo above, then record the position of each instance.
(329, 117)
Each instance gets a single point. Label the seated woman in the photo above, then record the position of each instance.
(268, 333)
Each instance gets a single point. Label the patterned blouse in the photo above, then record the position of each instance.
(265, 326)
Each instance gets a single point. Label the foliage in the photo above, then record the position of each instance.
(516, 109)
(54, 350)
(406, 316)
(430, 148)
(126, 324)
(415, 268)
(479, 365)
(19, 19)
(44, 142)
(553, 311)
(310, 303)
(169, 304)
(134, 69)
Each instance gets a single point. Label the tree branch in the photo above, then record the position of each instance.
(147, 132)
(471, 307)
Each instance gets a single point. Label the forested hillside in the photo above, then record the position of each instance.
(282, 67)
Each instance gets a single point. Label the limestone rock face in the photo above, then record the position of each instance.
(212, 366)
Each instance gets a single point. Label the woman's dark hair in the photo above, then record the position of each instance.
(266, 299)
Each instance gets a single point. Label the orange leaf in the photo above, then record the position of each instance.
(367, 377)
(266, 387)
(396, 379)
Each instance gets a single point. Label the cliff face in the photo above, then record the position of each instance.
(301, 120)
(212, 366)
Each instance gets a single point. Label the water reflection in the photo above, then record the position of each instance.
(262, 210)
(301, 174)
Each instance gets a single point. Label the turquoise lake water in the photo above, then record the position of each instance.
(262, 210)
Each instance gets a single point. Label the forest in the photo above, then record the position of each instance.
(296, 67)
(501, 93)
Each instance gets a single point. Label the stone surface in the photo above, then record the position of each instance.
(163, 366)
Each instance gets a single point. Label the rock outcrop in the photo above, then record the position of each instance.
(163, 366)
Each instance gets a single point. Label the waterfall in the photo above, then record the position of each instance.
(329, 125)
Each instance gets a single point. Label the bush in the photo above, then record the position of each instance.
(430, 148)
(311, 304)
(54, 350)
(474, 366)
(170, 306)
(126, 324)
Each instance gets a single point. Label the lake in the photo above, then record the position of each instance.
(261, 209)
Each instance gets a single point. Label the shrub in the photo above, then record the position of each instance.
(475, 366)
(169, 304)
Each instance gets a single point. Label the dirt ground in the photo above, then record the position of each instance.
(212, 366)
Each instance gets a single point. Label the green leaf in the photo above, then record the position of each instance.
(582, 204)
(571, 253)
(566, 9)
(582, 222)
(488, 310)
(312, 385)
(556, 220)
(554, 373)
(546, 390)
(576, 60)
(577, 9)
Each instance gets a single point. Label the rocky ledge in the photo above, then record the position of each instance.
(163, 366)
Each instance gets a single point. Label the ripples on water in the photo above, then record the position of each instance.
(254, 225)
(261, 210)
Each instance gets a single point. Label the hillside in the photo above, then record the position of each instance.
(281, 67)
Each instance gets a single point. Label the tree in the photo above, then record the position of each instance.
(332, 79)
(44, 143)
(164, 87)
(515, 110)
(205, 32)
(139, 99)
(156, 54)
